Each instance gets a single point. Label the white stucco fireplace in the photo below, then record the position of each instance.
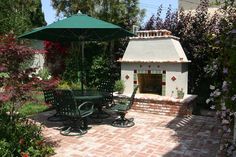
(155, 60)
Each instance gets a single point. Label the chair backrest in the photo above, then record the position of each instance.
(49, 97)
(132, 97)
(66, 102)
(106, 89)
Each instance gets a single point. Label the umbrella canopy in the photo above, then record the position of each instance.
(78, 27)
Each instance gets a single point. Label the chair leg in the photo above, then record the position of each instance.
(122, 122)
(74, 129)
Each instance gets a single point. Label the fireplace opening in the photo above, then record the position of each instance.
(150, 83)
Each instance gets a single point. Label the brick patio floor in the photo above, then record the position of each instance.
(151, 136)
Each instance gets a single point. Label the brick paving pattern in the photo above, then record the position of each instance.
(151, 136)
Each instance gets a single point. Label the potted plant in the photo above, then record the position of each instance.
(180, 93)
(119, 86)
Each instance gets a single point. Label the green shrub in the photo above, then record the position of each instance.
(4, 148)
(44, 73)
(21, 137)
(119, 86)
(63, 85)
(75, 85)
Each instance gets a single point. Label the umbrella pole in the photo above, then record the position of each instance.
(82, 68)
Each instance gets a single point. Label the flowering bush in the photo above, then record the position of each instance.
(223, 95)
(18, 136)
(55, 57)
(21, 138)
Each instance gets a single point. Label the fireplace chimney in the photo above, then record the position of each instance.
(152, 34)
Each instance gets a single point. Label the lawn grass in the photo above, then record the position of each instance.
(31, 108)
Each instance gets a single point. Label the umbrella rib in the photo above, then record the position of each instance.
(100, 39)
(79, 36)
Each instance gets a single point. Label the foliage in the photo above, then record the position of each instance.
(63, 85)
(119, 86)
(198, 33)
(44, 73)
(20, 79)
(69, 85)
(180, 93)
(21, 138)
(54, 57)
(100, 71)
(72, 65)
(124, 13)
(16, 18)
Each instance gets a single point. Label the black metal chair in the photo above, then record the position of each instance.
(106, 89)
(49, 97)
(121, 108)
(77, 114)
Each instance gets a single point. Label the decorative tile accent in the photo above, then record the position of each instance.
(164, 72)
(149, 66)
(127, 77)
(158, 66)
(173, 78)
(135, 71)
(163, 83)
(135, 82)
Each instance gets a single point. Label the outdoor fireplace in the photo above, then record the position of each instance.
(150, 83)
(155, 60)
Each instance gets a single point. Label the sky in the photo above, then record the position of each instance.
(149, 5)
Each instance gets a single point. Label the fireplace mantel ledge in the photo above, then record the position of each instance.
(186, 99)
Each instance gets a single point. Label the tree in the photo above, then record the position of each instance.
(19, 16)
(124, 13)
(16, 80)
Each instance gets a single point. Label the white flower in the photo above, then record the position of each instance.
(233, 97)
(49, 76)
(225, 86)
(207, 101)
(229, 130)
(212, 94)
(15, 113)
(225, 121)
(2, 89)
(213, 107)
(223, 106)
(39, 78)
(216, 93)
(212, 87)
(225, 71)
(8, 113)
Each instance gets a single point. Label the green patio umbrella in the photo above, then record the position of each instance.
(78, 27)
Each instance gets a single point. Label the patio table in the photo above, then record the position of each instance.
(93, 96)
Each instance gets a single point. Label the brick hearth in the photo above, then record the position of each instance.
(161, 105)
